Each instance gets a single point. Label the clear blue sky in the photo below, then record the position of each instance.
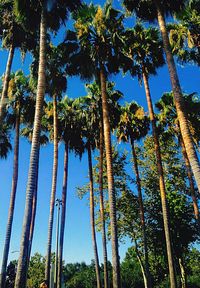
(77, 245)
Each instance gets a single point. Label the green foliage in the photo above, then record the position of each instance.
(145, 47)
(130, 271)
(5, 141)
(84, 278)
(36, 271)
(184, 230)
(184, 35)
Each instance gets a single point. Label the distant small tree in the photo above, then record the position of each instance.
(10, 274)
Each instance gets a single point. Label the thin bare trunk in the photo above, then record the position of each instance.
(12, 202)
(63, 216)
(183, 275)
(179, 100)
(20, 281)
(161, 184)
(191, 182)
(53, 191)
(142, 217)
(141, 266)
(92, 218)
(111, 190)
(57, 244)
(6, 82)
(103, 228)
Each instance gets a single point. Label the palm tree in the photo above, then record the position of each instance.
(147, 58)
(155, 9)
(70, 128)
(57, 83)
(95, 119)
(183, 36)
(90, 124)
(21, 9)
(134, 125)
(17, 88)
(168, 119)
(97, 33)
(13, 35)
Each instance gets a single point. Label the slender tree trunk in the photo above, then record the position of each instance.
(179, 100)
(183, 275)
(53, 191)
(6, 82)
(191, 182)
(12, 202)
(161, 184)
(20, 281)
(145, 279)
(142, 217)
(34, 207)
(92, 218)
(57, 244)
(103, 228)
(111, 191)
(63, 215)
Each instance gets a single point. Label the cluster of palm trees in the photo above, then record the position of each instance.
(98, 46)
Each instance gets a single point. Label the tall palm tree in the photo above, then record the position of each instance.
(70, 126)
(94, 104)
(99, 41)
(13, 35)
(58, 13)
(146, 59)
(57, 83)
(134, 125)
(155, 9)
(91, 123)
(168, 118)
(17, 89)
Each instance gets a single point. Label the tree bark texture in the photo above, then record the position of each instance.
(191, 182)
(179, 100)
(101, 197)
(53, 190)
(111, 190)
(63, 215)
(161, 184)
(12, 202)
(20, 281)
(6, 82)
(92, 218)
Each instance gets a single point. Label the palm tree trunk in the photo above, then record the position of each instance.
(105, 257)
(191, 182)
(12, 202)
(161, 184)
(92, 218)
(6, 82)
(142, 217)
(63, 215)
(178, 99)
(34, 207)
(20, 281)
(53, 191)
(111, 191)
